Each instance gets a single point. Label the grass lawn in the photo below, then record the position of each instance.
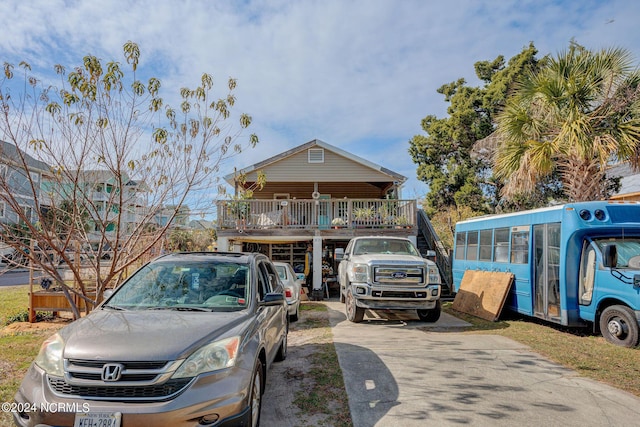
(17, 348)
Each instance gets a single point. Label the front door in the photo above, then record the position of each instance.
(546, 271)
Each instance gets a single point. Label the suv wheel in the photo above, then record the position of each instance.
(431, 315)
(355, 314)
(256, 395)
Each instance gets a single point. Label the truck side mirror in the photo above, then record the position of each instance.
(430, 254)
(610, 256)
(339, 254)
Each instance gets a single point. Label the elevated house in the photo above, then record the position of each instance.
(314, 193)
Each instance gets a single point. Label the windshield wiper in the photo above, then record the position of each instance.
(179, 308)
(113, 307)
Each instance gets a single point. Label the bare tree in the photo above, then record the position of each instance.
(96, 168)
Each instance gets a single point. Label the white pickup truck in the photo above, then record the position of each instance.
(388, 273)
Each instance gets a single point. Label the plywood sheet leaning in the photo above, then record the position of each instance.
(483, 293)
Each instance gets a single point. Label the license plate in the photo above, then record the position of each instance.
(97, 419)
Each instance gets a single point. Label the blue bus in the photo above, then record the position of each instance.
(576, 264)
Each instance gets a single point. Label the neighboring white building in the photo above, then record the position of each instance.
(17, 183)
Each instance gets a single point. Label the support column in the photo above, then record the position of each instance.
(317, 293)
(223, 244)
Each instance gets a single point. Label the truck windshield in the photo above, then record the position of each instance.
(628, 251)
(384, 246)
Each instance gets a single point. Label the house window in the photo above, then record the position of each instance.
(280, 196)
(316, 155)
(2, 207)
(3, 171)
(35, 177)
(28, 213)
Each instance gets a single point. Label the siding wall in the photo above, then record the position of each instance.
(335, 168)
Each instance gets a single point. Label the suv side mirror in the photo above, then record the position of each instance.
(339, 254)
(610, 256)
(274, 298)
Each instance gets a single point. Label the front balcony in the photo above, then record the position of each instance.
(313, 214)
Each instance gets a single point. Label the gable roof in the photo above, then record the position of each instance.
(316, 143)
(629, 178)
(13, 154)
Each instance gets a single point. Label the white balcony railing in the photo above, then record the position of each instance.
(321, 213)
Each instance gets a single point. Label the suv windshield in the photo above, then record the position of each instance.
(184, 285)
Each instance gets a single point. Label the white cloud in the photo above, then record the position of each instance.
(357, 74)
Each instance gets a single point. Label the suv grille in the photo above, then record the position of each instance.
(132, 380)
(153, 392)
(131, 371)
(402, 275)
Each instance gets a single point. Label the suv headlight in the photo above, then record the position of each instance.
(50, 356)
(212, 357)
(434, 274)
(360, 273)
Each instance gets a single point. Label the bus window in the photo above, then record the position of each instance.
(520, 245)
(501, 245)
(485, 245)
(472, 246)
(461, 241)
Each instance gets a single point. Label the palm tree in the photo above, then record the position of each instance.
(574, 116)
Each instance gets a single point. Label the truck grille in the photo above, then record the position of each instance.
(401, 275)
(399, 295)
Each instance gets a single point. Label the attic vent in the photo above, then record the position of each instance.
(316, 155)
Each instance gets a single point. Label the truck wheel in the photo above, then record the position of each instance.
(355, 314)
(431, 315)
(619, 326)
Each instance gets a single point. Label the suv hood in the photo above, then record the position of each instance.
(145, 335)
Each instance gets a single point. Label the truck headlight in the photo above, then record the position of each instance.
(360, 273)
(50, 356)
(434, 274)
(212, 357)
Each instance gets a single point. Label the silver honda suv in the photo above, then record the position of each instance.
(187, 340)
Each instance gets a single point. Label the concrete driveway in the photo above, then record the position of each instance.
(402, 372)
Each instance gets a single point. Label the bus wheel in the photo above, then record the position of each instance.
(619, 326)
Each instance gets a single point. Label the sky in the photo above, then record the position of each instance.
(356, 74)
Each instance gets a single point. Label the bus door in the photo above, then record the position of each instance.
(546, 271)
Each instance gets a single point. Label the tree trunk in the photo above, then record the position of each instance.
(582, 179)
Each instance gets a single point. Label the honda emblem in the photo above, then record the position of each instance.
(112, 371)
